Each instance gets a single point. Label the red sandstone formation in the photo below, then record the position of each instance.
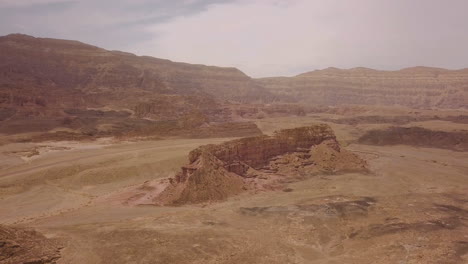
(19, 245)
(216, 172)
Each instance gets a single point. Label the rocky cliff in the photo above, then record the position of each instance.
(20, 245)
(42, 66)
(417, 136)
(255, 152)
(216, 172)
(418, 87)
(48, 83)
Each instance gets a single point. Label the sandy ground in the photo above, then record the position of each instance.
(413, 208)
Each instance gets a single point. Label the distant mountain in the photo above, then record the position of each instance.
(63, 73)
(417, 87)
(47, 83)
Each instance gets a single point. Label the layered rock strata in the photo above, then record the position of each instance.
(49, 84)
(417, 136)
(417, 87)
(216, 172)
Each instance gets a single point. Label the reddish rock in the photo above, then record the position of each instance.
(20, 245)
(47, 84)
(216, 172)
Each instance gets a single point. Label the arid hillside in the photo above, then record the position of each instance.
(417, 136)
(70, 73)
(62, 89)
(418, 87)
(47, 84)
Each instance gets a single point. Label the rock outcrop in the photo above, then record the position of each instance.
(216, 172)
(417, 136)
(418, 87)
(397, 119)
(19, 245)
(260, 111)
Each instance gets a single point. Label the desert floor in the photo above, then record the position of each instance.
(412, 207)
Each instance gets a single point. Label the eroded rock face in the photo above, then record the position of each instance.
(257, 151)
(66, 68)
(260, 111)
(419, 87)
(18, 245)
(398, 119)
(416, 136)
(50, 83)
(216, 172)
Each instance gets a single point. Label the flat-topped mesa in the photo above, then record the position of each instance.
(216, 172)
(257, 151)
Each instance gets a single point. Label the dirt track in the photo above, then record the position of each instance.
(87, 156)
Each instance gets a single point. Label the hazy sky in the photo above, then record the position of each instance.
(260, 37)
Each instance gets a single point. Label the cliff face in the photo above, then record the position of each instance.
(44, 80)
(49, 85)
(216, 172)
(418, 87)
(416, 136)
(43, 66)
(257, 151)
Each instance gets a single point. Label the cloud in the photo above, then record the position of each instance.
(266, 38)
(260, 37)
(29, 3)
(111, 24)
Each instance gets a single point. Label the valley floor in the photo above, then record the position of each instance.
(412, 208)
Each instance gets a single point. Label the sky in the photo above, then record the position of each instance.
(260, 37)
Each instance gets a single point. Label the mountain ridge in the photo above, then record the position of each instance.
(44, 80)
(415, 69)
(414, 87)
(420, 68)
(49, 84)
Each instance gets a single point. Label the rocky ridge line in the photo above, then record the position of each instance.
(417, 87)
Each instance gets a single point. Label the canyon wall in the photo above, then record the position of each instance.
(417, 136)
(73, 73)
(418, 87)
(50, 83)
